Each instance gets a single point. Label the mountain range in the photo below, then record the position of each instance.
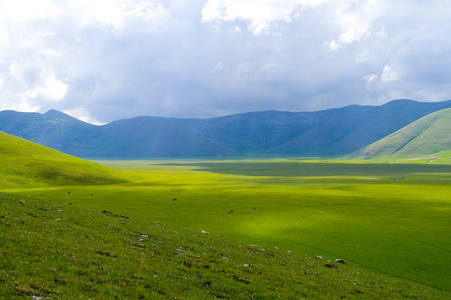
(331, 132)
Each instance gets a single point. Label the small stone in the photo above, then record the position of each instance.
(22, 201)
(332, 266)
(144, 235)
(341, 261)
(140, 240)
(58, 220)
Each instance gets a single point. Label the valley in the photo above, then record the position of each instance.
(383, 209)
(392, 219)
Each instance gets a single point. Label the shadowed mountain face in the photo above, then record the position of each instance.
(323, 133)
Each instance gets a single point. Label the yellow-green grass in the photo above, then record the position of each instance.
(23, 163)
(64, 251)
(391, 218)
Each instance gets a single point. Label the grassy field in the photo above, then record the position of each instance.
(52, 251)
(394, 219)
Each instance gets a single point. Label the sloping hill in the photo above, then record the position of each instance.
(24, 163)
(354, 127)
(57, 251)
(425, 137)
(322, 133)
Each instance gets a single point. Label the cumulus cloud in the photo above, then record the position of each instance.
(110, 59)
(261, 16)
(355, 19)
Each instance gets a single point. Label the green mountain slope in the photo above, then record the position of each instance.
(428, 136)
(63, 251)
(24, 163)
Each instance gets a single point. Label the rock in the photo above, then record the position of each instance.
(144, 236)
(341, 261)
(332, 266)
(319, 257)
(58, 220)
(140, 240)
(22, 201)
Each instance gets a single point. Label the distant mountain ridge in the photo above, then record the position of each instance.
(331, 132)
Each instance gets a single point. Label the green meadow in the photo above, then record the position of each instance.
(390, 218)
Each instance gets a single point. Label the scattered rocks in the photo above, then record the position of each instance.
(332, 266)
(110, 213)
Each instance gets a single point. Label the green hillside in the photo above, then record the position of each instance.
(64, 252)
(428, 137)
(24, 163)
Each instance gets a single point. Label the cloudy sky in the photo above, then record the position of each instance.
(105, 60)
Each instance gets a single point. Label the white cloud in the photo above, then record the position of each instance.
(262, 16)
(24, 10)
(51, 89)
(113, 12)
(82, 114)
(389, 73)
(110, 59)
(355, 21)
(370, 78)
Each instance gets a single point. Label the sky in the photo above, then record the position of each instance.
(106, 60)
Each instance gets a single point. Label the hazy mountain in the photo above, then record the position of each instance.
(423, 138)
(321, 133)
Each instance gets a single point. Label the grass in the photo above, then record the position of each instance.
(65, 251)
(397, 228)
(390, 222)
(426, 138)
(24, 163)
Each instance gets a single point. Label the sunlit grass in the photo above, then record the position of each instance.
(62, 251)
(355, 211)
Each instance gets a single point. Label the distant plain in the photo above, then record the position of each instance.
(394, 218)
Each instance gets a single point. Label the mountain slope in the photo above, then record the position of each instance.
(355, 127)
(424, 137)
(330, 132)
(54, 251)
(24, 163)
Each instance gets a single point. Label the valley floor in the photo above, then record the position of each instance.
(393, 219)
